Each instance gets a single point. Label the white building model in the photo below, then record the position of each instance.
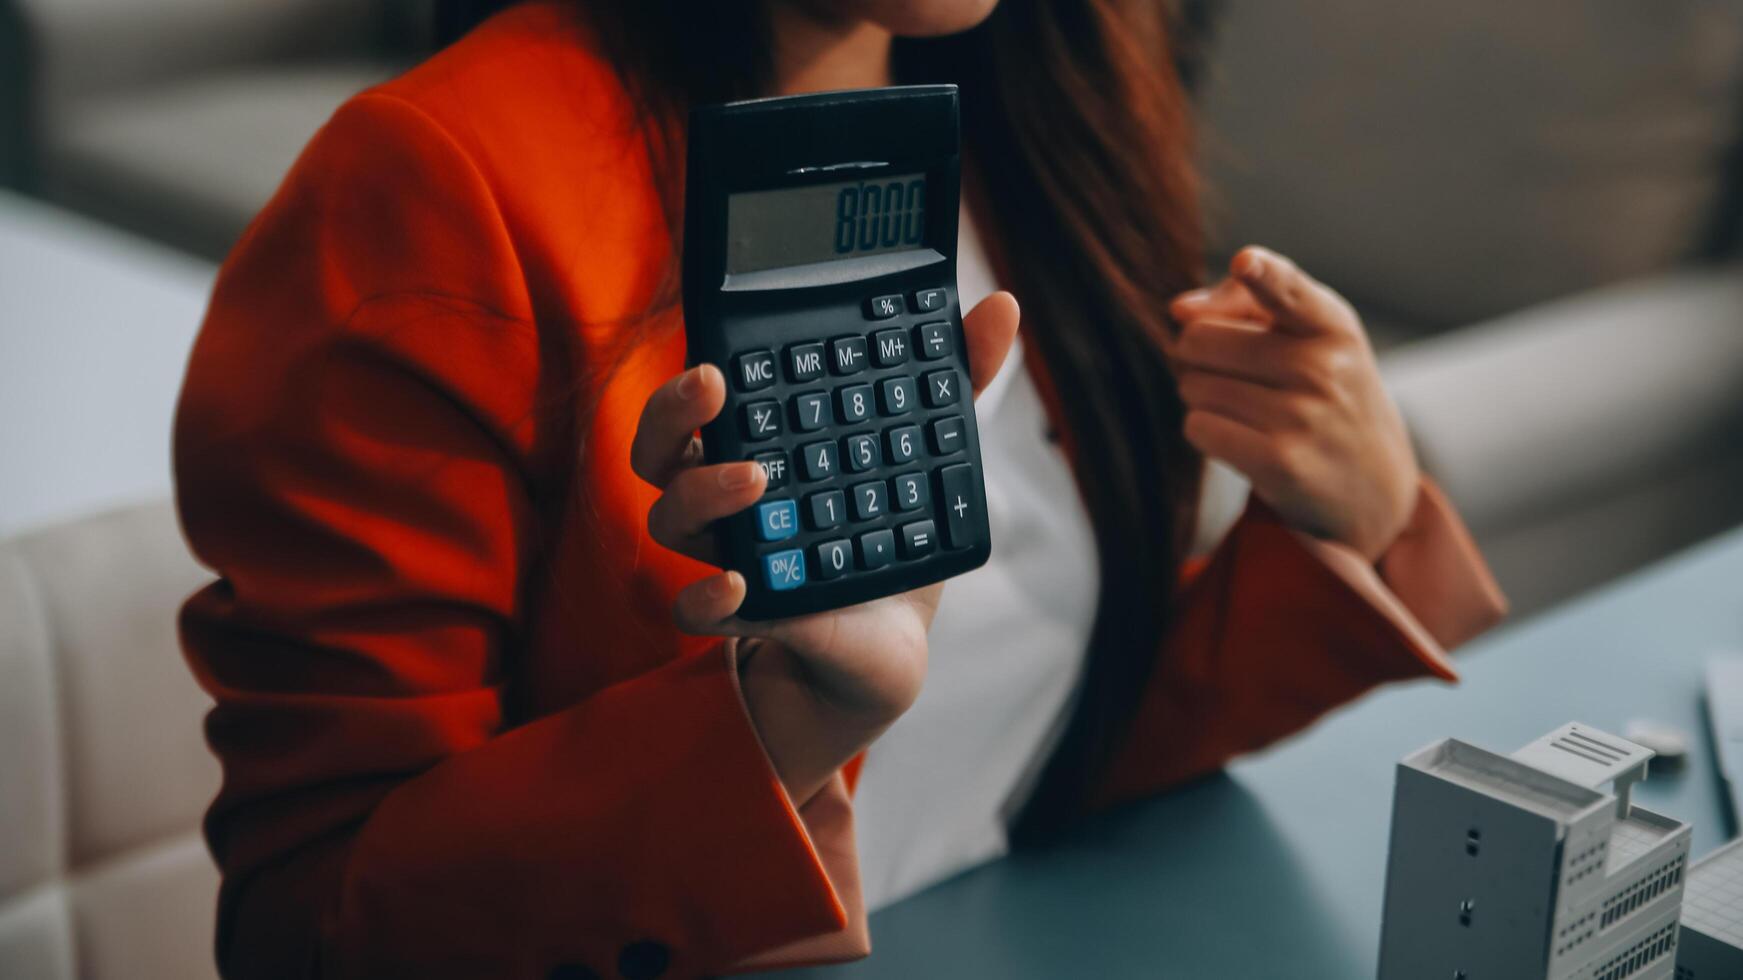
(1523, 866)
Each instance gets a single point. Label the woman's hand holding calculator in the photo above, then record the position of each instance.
(819, 687)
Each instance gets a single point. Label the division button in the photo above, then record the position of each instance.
(932, 341)
(946, 435)
(929, 300)
(942, 388)
(956, 504)
(890, 347)
(847, 355)
(754, 370)
(877, 548)
(775, 468)
(833, 558)
(805, 361)
(784, 570)
(918, 539)
(762, 420)
(777, 520)
(882, 307)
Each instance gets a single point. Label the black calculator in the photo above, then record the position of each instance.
(820, 276)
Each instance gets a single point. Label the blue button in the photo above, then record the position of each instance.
(777, 520)
(784, 570)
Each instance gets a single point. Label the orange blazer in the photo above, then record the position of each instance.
(460, 736)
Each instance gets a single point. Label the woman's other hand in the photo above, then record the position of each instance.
(1279, 381)
(819, 687)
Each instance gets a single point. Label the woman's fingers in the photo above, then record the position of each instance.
(1297, 301)
(664, 442)
(989, 328)
(1267, 409)
(1241, 446)
(1229, 300)
(1241, 349)
(705, 608)
(694, 497)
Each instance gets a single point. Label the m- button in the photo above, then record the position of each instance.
(755, 370)
(956, 504)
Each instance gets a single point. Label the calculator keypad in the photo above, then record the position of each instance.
(863, 436)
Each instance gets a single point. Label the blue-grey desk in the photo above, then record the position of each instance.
(1276, 869)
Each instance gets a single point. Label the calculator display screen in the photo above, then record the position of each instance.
(824, 222)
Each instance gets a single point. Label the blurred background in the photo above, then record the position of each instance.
(1538, 208)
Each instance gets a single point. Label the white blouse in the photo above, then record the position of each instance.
(1007, 647)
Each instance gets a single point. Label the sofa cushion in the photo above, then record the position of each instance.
(1446, 162)
(191, 162)
(137, 767)
(31, 789)
(150, 914)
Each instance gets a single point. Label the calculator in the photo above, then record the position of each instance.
(820, 277)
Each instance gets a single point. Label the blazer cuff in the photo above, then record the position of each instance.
(1432, 584)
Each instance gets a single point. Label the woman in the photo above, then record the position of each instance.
(475, 708)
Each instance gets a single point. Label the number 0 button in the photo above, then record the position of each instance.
(833, 558)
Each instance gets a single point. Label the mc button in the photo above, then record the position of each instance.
(754, 371)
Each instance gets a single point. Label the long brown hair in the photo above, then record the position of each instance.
(1077, 135)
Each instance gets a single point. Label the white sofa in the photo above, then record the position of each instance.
(103, 769)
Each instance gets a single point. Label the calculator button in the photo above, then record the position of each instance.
(876, 549)
(762, 420)
(890, 347)
(909, 491)
(868, 500)
(946, 435)
(833, 558)
(902, 443)
(956, 497)
(929, 300)
(777, 520)
(755, 370)
(882, 307)
(896, 395)
(941, 388)
(932, 341)
(810, 411)
(784, 570)
(918, 539)
(853, 403)
(862, 452)
(805, 361)
(818, 461)
(775, 468)
(847, 355)
(826, 510)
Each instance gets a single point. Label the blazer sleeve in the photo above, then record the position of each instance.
(1278, 628)
(353, 453)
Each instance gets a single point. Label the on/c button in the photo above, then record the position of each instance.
(777, 520)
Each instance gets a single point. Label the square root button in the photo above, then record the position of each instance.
(784, 570)
(777, 520)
